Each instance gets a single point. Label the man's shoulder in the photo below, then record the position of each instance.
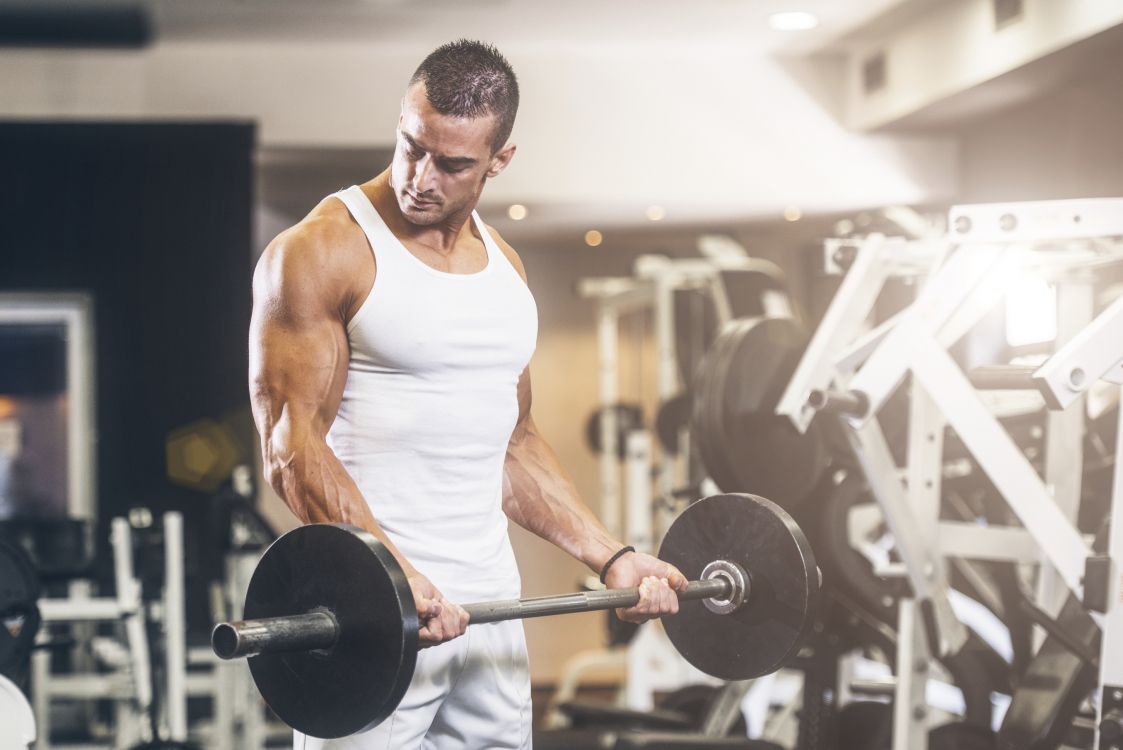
(324, 253)
(327, 239)
(508, 251)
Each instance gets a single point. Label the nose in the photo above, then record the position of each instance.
(423, 177)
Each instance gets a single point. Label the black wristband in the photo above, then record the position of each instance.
(620, 553)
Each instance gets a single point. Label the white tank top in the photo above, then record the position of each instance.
(430, 403)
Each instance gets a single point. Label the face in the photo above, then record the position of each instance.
(440, 162)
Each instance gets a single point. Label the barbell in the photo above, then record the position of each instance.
(331, 630)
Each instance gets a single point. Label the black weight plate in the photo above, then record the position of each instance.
(695, 328)
(960, 736)
(747, 289)
(361, 680)
(672, 417)
(711, 412)
(766, 452)
(629, 417)
(865, 725)
(19, 610)
(844, 565)
(726, 474)
(699, 389)
(722, 473)
(19, 582)
(762, 538)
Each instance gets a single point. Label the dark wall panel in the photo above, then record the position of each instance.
(155, 221)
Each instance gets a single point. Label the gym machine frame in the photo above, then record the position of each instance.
(989, 243)
(127, 607)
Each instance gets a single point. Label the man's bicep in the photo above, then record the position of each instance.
(298, 346)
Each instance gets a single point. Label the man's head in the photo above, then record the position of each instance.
(456, 117)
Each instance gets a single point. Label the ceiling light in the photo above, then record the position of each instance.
(655, 213)
(794, 20)
(791, 213)
(517, 212)
(593, 238)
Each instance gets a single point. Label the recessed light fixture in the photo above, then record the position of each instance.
(517, 212)
(793, 20)
(593, 238)
(791, 213)
(655, 213)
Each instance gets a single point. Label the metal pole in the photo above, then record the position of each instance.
(132, 611)
(1111, 645)
(584, 601)
(608, 345)
(175, 625)
(1004, 377)
(1064, 441)
(666, 364)
(275, 635)
(320, 630)
(637, 491)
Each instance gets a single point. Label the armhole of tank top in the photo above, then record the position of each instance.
(378, 267)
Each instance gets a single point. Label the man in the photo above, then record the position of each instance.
(389, 346)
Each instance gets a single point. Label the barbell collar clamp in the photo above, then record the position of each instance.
(740, 585)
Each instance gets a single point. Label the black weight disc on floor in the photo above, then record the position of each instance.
(360, 681)
(769, 629)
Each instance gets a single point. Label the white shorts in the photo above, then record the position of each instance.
(472, 693)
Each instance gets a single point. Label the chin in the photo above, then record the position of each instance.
(421, 218)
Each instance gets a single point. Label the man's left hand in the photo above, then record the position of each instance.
(657, 581)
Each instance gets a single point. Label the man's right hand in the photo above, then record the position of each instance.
(440, 620)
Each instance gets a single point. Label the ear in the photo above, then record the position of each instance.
(501, 159)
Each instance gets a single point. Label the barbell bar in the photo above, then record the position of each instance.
(320, 629)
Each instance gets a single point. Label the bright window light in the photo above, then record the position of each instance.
(1031, 312)
(795, 20)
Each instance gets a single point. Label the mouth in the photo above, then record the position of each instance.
(418, 202)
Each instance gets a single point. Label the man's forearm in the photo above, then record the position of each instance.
(541, 497)
(317, 488)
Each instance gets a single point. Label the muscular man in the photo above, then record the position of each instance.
(389, 346)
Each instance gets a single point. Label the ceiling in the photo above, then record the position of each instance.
(695, 106)
(574, 22)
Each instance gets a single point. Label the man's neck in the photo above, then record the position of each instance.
(441, 237)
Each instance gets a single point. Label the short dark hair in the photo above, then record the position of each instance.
(466, 78)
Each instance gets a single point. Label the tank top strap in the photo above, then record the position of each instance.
(381, 239)
(495, 254)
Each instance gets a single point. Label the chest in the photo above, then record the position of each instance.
(467, 257)
(469, 327)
